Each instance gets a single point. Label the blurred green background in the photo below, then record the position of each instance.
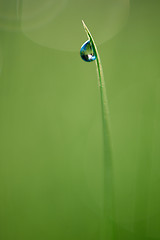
(51, 154)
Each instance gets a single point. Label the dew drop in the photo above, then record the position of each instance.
(86, 52)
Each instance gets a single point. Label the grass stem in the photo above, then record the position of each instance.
(108, 231)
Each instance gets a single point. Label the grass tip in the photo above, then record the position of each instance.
(84, 25)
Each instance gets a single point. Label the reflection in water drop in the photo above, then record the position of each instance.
(86, 52)
(59, 26)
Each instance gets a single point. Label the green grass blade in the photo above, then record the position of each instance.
(108, 231)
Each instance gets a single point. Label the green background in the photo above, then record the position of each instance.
(51, 155)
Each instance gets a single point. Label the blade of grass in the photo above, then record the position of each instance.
(108, 228)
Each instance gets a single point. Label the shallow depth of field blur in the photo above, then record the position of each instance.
(51, 148)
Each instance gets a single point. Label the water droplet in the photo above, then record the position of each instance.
(86, 52)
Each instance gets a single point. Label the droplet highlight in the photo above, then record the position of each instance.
(86, 52)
